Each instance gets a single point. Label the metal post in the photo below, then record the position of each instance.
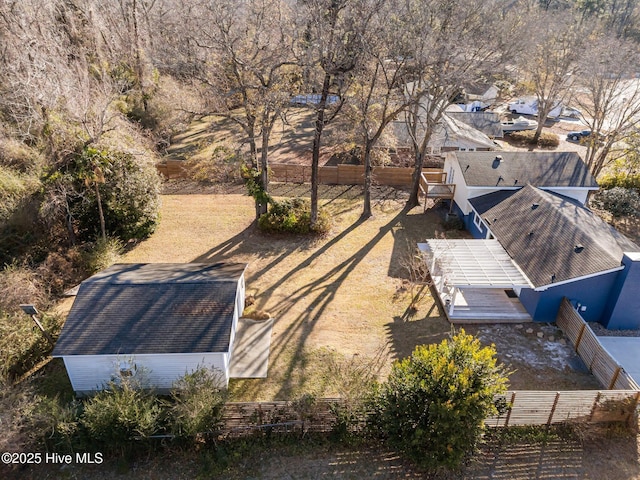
(32, 312)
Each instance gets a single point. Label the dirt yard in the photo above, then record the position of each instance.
(342, 296)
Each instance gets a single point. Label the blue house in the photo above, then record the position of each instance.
(535, 243)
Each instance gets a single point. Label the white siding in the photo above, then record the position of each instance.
(91, 372)
(462, 191)
(579, 194)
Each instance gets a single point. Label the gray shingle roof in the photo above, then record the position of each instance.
(549, 235)
(484, 202)
(152, 309)
(487, 122)
(540, 169)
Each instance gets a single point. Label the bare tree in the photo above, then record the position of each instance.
(610, 97)
(550, 63)
(332, 45)
(378, 94)
(455, 43)
(251, 70)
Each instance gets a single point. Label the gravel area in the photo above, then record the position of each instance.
(601, 331)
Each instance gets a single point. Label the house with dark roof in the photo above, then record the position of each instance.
(156, 320)
(530, 208)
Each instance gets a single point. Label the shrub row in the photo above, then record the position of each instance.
(432, 407)
(622, 180)
(546, 139)
(119, 418)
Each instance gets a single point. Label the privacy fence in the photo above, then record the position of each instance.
(327, 175)
(519, 408)
(603, 366)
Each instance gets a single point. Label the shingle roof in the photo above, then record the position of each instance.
(486, 122)
(540, 169)
(152, 309)
(484, 202)
(552, 238)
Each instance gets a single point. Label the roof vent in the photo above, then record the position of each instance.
(578, 248)
(534, 206)
(531, 233)
(553, 278)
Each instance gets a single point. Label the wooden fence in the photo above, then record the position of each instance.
(172, 169)
(350, 174)
(327, 175)
(547, 408)
(603, 366)
(520, 408)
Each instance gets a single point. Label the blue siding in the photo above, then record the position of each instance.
(468, 223)
(591, 292)
(623, 310)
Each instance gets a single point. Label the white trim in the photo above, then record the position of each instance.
(544, 288)
(519, 186)
(476, 216)
(477, 221)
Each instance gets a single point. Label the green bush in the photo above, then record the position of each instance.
(434, 403)
(129, 193)
(198, 400)
(102, 254)
(619, 179)
(546, 139)
(292, 216)
(119, 415)
(55, 425)
(618, 201)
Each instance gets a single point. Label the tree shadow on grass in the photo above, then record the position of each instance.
(426, 325)
(251, 243)
(323, 290)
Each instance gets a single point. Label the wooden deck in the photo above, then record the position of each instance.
(434, 185)
(486, 305)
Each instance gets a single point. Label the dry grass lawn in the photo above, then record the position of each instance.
(332, 298)
(337, 299)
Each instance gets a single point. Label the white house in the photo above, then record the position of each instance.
(480, 173)
(158, 321)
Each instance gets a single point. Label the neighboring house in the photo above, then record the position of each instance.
(486, 93)
(535, 244)
(486, 122)
(451, 134)
(477, 97)
(158, 321)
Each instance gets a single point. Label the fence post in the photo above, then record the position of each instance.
(595, 405)
(631, 416)
(615, 378)
(579, 339)
(513, 399)
(553, 408)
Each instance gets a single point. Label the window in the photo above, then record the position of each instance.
(477, 221)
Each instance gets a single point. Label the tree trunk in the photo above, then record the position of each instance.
(414, 199)
(315, 157)
(264, 166)
(536, 136)
(366, 210)
(100, 212)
